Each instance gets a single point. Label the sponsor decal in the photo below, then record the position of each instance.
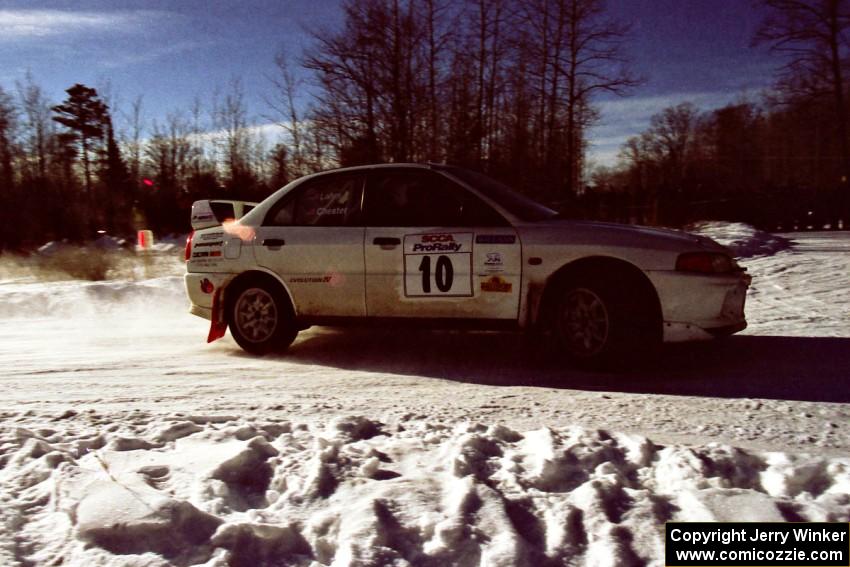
(495, 239)
(212, 236)
(322, 279)
(207, 286)
(202, 244)
(493, 263)
(496, 284)
(210, 254)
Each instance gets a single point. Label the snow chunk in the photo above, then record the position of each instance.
(262, 544)
(129, 517)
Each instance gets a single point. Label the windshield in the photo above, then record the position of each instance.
(515, 203)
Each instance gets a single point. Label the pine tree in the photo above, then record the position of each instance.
(85, 116)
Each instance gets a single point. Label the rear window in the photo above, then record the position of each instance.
(223, 211)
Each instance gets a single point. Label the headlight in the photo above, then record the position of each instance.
(707, 263)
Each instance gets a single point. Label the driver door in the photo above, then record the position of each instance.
(435, 250)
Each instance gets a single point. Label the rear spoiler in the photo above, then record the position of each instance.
(214, 212)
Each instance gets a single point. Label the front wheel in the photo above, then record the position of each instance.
(600, 326)
(584, 323)
(260, 318)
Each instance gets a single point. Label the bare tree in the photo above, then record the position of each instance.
(37, 127)
(287, 114)
(577, 52)
(230, 120)
(437, 36)
(812, 36)
(134, 142)
(594, 62)
(8, 120)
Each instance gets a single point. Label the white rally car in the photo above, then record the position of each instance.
(444, 246)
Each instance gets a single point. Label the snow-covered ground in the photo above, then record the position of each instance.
(126, 440)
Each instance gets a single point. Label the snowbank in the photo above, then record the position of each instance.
(222, 491)
(743, 240)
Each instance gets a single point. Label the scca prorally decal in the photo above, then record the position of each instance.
(437, 243)
(438, 264)
(202, 244)
(495, 239)
(212, 235)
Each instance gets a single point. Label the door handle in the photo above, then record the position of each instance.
(386, 241)
(273, 242)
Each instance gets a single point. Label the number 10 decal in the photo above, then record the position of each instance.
(444, 273)
(438, 265)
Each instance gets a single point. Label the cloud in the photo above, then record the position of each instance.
(108, 39)
(122, 59)
(625, 117)
(37, 24)
(20, 24)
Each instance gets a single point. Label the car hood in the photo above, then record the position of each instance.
(592, 232)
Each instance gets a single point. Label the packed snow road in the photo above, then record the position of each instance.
(115, 347)
(126, 440)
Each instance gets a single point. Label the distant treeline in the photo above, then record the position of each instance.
(774, 165)
(505, 87)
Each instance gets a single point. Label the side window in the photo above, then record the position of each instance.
(478, 213)
(327, 201)
(423, 198)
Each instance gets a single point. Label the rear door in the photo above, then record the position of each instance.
(435, 250)
(313, 239)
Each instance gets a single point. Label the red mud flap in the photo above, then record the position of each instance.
(218, 325)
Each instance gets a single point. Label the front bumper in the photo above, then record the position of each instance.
(701, 307)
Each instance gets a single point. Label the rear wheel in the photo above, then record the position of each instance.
(260, 317)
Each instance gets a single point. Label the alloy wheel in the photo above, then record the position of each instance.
(256, 316)
(584, 322)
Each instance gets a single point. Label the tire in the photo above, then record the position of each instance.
(260, 316)
(599, 326)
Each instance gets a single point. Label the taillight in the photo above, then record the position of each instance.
(188, 252)
(706, 263)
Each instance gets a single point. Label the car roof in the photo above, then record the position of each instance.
(368, 167)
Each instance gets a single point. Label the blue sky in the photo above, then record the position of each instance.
(172, 51)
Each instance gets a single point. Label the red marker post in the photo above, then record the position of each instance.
(144, 245)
